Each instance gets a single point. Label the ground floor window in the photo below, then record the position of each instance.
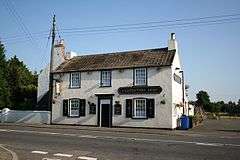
(74, 107)
(139, 109)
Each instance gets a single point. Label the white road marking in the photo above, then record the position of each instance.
(209, 144)
(39, 152)
(50, 159)
(87, 136)
(27, 131)
(87, 158)
(69, 134)
(63, 155)
(124, 138)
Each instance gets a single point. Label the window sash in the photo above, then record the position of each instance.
(105, 78)
(75, 80)
(74, 107)
(140, 76)
(140, 108)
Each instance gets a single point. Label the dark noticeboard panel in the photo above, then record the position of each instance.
(177, 78)
(92, 108)
(117, 109)
(140, 90)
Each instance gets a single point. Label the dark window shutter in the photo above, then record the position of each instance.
(65, 107)
(82, 107)
(129, 104)
(101, 78)
(150, 108)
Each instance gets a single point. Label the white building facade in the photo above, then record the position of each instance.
(125, 89)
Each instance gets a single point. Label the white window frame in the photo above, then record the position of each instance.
(71, 80)
(70, 107)
(106, 78)
(136, 101)
(138, 76)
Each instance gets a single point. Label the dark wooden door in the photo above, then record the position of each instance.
(105, 115)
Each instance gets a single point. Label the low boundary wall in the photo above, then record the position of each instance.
(30, 117)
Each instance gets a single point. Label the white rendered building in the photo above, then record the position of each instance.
(140, 88)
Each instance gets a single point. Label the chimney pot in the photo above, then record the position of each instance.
(173, 36)
(61, 41)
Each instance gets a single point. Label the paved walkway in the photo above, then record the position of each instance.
(208, 128)
(4, 154)
(103, 129)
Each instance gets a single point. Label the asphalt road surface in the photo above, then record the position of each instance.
(31, 143)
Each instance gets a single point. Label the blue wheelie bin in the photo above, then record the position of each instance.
(184, 122)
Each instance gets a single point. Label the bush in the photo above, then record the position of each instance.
(198, 117)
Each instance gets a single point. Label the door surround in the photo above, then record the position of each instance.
(104, 99)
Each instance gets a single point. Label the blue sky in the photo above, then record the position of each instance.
(210, 54)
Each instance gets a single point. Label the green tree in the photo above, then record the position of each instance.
(203, 100)
(4, 90)
(217, 106)
(23, 85)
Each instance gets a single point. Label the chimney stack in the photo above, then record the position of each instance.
(172, 42)
(58, 54)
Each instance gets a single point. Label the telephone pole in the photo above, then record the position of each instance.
(53, 40)
(51, 67)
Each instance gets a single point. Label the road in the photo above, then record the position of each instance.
(67, 144)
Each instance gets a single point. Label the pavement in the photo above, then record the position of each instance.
(60, 142)
(5, 155)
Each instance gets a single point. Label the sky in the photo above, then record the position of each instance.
(209, 53)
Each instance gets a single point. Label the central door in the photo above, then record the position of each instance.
(105, 113)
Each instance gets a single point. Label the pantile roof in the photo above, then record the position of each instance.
(129, 59)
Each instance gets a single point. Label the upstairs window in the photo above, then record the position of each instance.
(140, 76)
(75, 80)
(106, 77)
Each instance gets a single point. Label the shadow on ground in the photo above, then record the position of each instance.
(224, 130)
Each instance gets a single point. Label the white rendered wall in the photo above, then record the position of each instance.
(191, 110)
(90, 85)
(43, 77)
(43, 83)
(177, 94)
